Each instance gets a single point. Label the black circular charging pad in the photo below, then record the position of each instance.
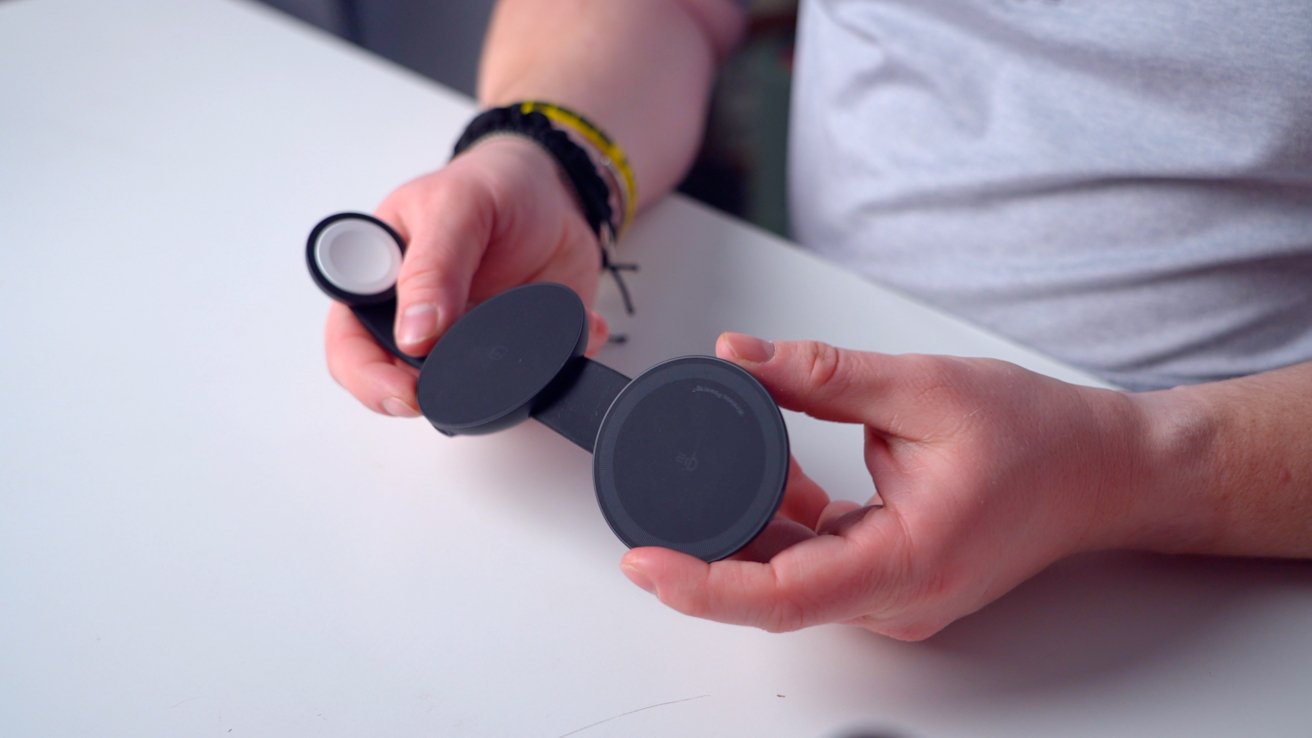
(487, 369)
(693, 456)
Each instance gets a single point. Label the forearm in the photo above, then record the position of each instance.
(640, 69)
(1229, 469)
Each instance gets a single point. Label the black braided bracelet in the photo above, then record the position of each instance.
(591, 189)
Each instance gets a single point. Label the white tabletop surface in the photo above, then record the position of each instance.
(200, 534)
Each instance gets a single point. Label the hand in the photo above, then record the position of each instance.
(499, 215)
(987, 473)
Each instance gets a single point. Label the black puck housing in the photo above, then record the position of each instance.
(693, 456)
(491, 367)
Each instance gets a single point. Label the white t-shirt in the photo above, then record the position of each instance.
(1123, 184)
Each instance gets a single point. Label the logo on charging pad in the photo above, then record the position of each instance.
(486, 356)
(687, 461)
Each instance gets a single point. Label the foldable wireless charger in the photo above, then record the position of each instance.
(692, 455)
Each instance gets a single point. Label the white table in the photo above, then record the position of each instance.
(200, 534)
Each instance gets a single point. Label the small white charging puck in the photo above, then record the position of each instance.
(355, 257)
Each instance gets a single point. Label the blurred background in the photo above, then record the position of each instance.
(741, 167)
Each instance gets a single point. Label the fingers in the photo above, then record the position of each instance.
(809, 376)
(442, 253)
(831, 383)
(779, 534)
(598, 333)
(789, 576)
(821, 579)
(842, 515)
(366, 369)
(804, 500)
(802, 507)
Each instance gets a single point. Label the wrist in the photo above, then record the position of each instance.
(572, 161)
(528, 160)
(591, 193)
(1161, 503)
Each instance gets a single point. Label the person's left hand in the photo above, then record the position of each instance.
(987, 473)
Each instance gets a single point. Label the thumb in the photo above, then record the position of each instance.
(442, 254)
(823, 381)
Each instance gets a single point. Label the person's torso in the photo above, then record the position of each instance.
(1124, 185)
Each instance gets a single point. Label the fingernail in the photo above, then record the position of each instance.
(418, 324)
(396, 407)
(637, 577)
(749, 348)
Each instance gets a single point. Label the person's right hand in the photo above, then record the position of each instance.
(497, 216)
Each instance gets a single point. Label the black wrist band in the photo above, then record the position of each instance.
(590, 189)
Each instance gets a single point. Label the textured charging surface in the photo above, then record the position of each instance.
(485, 372)
(693, 456)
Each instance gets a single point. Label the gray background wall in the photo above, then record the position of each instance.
(438, 38)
